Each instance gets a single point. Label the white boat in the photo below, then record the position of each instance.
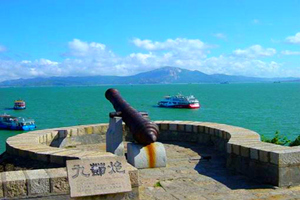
(179, 101)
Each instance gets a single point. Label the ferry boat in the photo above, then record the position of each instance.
(19, 105)
(179, 101)
(16, 123)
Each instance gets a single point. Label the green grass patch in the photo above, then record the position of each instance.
(157, 184)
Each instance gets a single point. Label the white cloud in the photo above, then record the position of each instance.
(254, 52)
(2, 48)
(86, 59)
(233, 65)
(78, 48)
(220, 36)
(294, 39)
(176, 45)
(288, 52)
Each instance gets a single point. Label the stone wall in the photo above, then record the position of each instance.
(47, 182)
(246, 154)
(42, 145)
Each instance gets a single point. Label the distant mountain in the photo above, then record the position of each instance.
(162, 75)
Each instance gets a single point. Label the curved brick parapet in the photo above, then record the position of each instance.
(37, 144)
(275, 164)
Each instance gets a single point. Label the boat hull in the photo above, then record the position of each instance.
(23, 128)
(19, 108)
(189, 106)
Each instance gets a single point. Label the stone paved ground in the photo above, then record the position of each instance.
(189, 177)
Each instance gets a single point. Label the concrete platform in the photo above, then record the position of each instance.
(188, 176)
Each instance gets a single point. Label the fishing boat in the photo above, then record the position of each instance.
(16, 123)
(179, 101)
(19, 105)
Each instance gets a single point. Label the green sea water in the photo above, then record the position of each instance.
(262, 107)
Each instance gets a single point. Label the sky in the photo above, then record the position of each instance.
(43, 38)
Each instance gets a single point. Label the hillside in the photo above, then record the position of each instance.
(164, 75)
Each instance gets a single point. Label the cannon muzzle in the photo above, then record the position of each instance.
(143, 130)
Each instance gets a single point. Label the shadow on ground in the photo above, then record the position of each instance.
(212, 163)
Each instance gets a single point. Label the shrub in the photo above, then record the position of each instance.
(296, 142)
(277, 139)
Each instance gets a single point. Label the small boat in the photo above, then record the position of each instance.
(179, 101)
(19, 105)
(16, 123)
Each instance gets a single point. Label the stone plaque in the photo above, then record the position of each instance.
(102, 175)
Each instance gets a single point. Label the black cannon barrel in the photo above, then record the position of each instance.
(143, 130)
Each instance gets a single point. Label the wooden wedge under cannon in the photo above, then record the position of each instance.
(143, 130)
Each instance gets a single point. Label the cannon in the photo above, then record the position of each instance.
(143, 130)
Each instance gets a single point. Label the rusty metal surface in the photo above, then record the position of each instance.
(143, 130)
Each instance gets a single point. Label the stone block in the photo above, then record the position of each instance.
(228, 135)
(97, 129)
(263, 155)
(236, 149)
(289, 176)
(150, 156)
(219, 134)
(289, 157)
(80, 130)
(37, 182)
(88, 130)
(14, 184)
(206, 130)
(173, 127)
(195, 129)
(58, 181)
(133, 175)
(200, 129)
(245, 151)
(274, 158)
(1, 187)
(103, 128)
(188, 128)
(41, 139)
(164, 127)
(229, 148)
(180, 127)
(49, 138)
(254, 154)
(73, 132)
(114, 137)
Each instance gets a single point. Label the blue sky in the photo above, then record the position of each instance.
(83, 38)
